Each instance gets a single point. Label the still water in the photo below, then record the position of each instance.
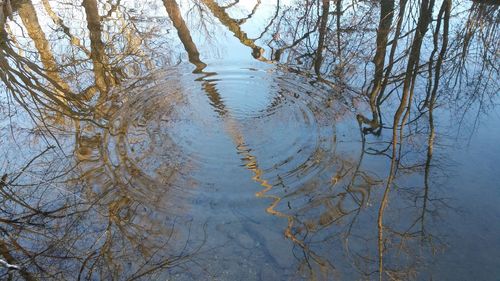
(249, 140)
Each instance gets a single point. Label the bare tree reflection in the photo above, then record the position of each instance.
(184, 35)
(102, 197)
(94, 218)
(234, 26)
(398, 68)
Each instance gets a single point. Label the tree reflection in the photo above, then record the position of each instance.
(99, 197)
(396, 68)
(235, 26)
(103, 215)
(183, 32)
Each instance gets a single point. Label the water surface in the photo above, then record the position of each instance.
(249, 140)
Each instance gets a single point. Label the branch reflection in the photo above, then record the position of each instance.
(345, 149)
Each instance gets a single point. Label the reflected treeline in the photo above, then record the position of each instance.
(412, 65)
(92, 205)
(97, 197)
(419, 59)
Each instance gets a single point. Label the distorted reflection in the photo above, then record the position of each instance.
(229, 140)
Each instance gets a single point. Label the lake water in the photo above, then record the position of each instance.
(249, 140)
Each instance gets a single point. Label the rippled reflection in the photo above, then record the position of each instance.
(228, 140)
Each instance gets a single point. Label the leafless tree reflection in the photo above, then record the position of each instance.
(94, 211)
(94, 186)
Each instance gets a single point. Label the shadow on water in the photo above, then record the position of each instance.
(226, 140)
